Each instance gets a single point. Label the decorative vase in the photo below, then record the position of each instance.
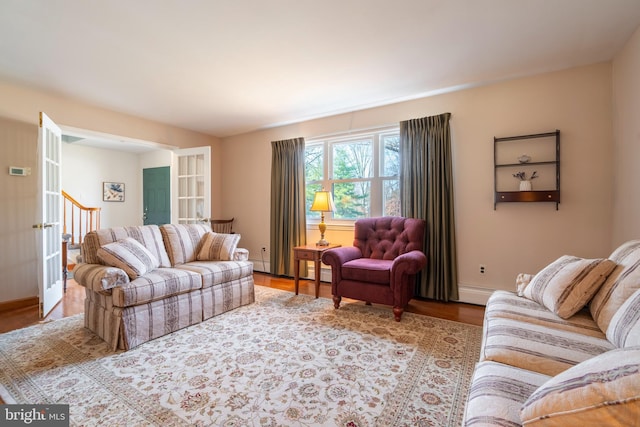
(525, 185)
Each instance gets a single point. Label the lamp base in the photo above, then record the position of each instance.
(322, 227)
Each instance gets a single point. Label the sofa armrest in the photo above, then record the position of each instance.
(403, 266)
(99, 278)
(336, 257)
(409, 263)
(241, 254)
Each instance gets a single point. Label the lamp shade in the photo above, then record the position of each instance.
(323, 201)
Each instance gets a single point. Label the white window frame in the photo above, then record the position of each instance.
(376, 180)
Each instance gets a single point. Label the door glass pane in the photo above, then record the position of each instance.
(192, 209)
(191, 183)
(200, 186)
(191, 192)
(199, 207)
(199, 164)
(183, 163)
(183, 211)
(182, 183)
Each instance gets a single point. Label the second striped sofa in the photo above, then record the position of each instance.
(565, 349)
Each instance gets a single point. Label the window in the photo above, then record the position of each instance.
(361, 170)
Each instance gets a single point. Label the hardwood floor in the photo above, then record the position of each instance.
(460, 312)
(73, 303)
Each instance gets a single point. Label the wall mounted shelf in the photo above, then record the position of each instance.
(545, 148)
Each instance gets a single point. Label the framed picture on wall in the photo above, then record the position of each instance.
(113, 191)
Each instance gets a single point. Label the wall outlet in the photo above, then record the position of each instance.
(483, 268)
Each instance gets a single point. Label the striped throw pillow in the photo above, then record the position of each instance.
(149, 236)
(567, 284)
(620, 284)
(183, 241)
(624, 328)
(601, 391)
(129, 255)
(218, 247)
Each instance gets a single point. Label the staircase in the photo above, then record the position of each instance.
(78, 220)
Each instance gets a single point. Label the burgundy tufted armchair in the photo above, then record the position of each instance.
(382, 264)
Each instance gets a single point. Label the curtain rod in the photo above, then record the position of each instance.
(351, 131)
(367, 129)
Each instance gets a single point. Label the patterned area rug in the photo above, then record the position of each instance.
(286, 360)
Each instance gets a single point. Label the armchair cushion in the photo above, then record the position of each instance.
(368, 270)
(381, 271)
(337, 257)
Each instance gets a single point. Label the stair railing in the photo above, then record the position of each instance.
(78, 219)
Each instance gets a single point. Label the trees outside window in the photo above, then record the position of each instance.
(362, 172)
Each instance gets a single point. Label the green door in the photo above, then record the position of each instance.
(156, 195)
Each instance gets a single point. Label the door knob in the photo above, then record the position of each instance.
(41, 226)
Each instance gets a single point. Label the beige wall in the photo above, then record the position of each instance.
(19, 108)
(511, 239)
(626, 107)
(86, 168)
(18, 207)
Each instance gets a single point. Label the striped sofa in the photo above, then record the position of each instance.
(144, 282)
(565, 349)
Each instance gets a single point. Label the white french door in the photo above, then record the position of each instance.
(191, 185)
(48, 225)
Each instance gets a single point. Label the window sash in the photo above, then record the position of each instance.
(378, 179)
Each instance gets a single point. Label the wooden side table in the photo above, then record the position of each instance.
(309, 253)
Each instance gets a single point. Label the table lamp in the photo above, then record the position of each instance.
(322, 202)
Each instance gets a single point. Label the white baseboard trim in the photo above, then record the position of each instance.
(260, 267)
(466, 293)
(325, 273)
(473, 295)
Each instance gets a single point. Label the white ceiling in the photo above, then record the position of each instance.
(225, 67)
